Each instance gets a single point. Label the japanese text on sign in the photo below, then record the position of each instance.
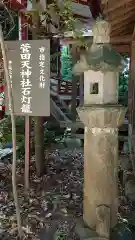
(25, 78)
(30, 77)
(42, 66)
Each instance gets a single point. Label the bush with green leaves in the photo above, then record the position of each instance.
(66, 63)
(123, 88)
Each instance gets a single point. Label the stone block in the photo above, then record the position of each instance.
(96, 87)
(102, 116)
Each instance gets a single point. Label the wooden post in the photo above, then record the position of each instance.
(81, 90)
(38, 121)
(24, 36)
(131, 104)
(27, 152)
(59, 61)
(75, 57)
(131, 84)
(74, 96)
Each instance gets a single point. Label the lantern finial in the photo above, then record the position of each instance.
(101, 32)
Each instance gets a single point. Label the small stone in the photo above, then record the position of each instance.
(67, 196)
(47, 234)
(121, 232)
(125, 163)
(61, 146)
(64, 210)
(2, 231)
(130, 190)
(85, 233)
(127, 176)
(75, 196)
(37, 180)
(44, 205)
(126, 147)
(72, 143)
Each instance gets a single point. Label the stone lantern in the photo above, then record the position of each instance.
(101, 116)
(100, 88)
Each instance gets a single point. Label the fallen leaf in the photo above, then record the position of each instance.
(67, 196)
(64, 210)
(48, 215)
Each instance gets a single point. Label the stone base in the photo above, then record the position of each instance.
(120, 232)
(85, 233)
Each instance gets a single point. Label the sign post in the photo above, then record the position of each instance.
(29, 70)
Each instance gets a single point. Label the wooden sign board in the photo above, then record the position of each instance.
(29, 72)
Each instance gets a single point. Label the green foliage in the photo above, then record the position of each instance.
(6, 125)
(13, 33)
(60, 236)
(52, 134)
(6, 131)
(123, 83)
(67, 19)
(66, 68)
(49, 137)
(123, 88)
(66, 64)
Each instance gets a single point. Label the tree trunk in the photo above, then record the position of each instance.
(81, 90)
(38, 121)
(74, 96)
(75, 57)
(39, 145)
(10, 98)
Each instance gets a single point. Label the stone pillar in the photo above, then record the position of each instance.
(100, 160)
(101, 116)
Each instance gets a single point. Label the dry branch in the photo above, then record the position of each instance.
(10, 98)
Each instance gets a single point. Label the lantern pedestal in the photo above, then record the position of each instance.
(100, 165)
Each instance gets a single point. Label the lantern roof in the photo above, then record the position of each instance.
(100, 56)
(103, 56)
